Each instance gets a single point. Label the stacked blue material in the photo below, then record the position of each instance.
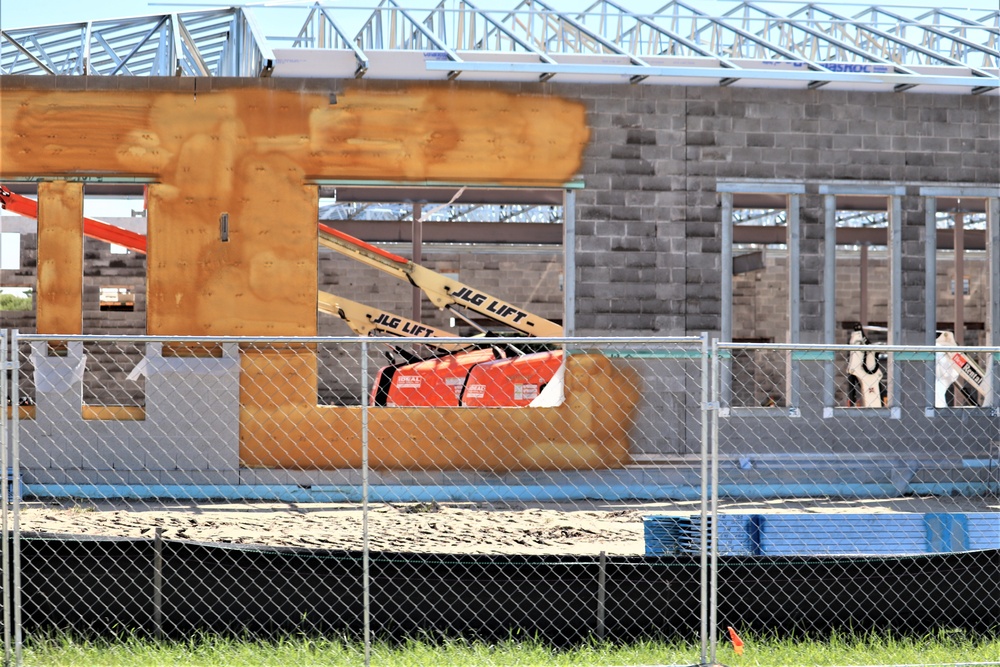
(826, 534)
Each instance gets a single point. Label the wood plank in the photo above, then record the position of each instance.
(60, 258)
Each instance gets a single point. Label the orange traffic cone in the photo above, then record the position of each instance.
(737, 642)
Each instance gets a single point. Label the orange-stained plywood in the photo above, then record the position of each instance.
(279, 376)
(200, 141)
(589, 430)
(450, 134)
(261, 282)
(60, 258)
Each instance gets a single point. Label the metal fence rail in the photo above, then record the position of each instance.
(570, 489)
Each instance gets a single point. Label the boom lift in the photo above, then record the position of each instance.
(864, 369)
(443, 291)
(953, 365)
(493, 378)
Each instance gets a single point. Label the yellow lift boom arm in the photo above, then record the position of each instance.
(365, 320)
(441, 290)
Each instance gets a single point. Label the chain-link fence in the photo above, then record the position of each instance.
(867, 474)
(490, 488)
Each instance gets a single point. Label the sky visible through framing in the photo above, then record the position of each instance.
(280, 21)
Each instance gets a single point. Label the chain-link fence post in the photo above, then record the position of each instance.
(365, 542)
(5, 367)
(713, 546)
(15, 497)
(705, 410)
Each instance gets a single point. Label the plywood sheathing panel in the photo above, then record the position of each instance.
(589, 430)
(423, 132)
(60, 258)
(261, 282)
(448, 134)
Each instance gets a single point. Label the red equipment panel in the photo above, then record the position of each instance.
(511, 382)
(429, 383)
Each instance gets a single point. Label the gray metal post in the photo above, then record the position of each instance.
(365, 561)
(993, 262)
(602, 564)
(417, 243)
(794, 298)
(569, 263)
(829, 294)
(5, 584)
(958, 233)
(893, 372)
(158, 581)
(705, 412)
(714, 561)
(930, 294)
(15, 449)
(726, 318)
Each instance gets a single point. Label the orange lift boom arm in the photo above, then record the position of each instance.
(95, 229)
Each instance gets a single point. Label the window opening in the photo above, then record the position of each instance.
(760, 305)
(962, 300)
(863, 280)
(116, 298)
(114, 304)
(10, 251)
(510, 249)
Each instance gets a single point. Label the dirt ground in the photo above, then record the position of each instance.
(580, 529)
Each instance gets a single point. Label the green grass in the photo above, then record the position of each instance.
(14, 302)
(208, 651)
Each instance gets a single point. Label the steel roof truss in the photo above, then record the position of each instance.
(840, 45)
(761, 45)
(885, 41)
(372, 32)
(560, 34)
(933, 35)
(671, 37)
(314, 34)
(500, 29)
(188, 55)
(359, 56)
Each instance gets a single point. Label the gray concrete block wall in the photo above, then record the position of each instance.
(189, 433)
(690, 137)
